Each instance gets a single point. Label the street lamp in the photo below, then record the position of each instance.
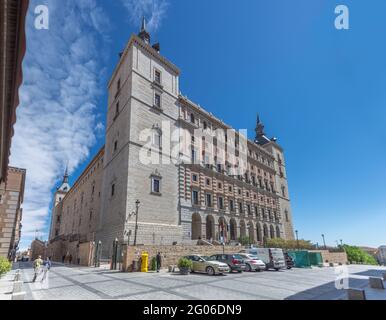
(136, 221)
(341, 242)
(324, 242)
(297, 238)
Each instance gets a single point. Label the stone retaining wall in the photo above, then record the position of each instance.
(171, 254)
(333, 257)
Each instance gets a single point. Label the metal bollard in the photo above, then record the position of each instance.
(17, 286)
(356, 294)
(376, 283)
(18, 296)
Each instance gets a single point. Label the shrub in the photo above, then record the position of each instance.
(185, 263)
(153, 264)
(244, 240)
(5, 266)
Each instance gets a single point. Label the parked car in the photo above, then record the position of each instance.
(272, 257)
(289, 261)
(252, 263)
(234, 261)
(204, 265)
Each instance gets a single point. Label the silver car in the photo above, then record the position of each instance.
(252, 263)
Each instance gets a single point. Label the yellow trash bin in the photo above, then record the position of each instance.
(145, 262)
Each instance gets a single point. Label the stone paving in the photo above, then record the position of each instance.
(80, 283)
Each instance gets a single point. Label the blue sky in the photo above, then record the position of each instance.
(319, 90)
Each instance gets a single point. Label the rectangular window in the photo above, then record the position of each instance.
(157, 100)
(208, 200)
(220, 203)
(112, 190)
(195, 197)
(249, 209)
(240, 207)
(194, 177)
(157, 76)
(117, 109)
(231, 206)
(118, 85)
(193, 156)
(155, 185)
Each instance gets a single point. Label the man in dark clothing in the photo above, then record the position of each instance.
(159, 260)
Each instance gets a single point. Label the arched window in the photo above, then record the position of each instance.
(157, 137)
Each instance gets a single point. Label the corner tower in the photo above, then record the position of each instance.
(142, 104)
(281, 181)
(60, 193)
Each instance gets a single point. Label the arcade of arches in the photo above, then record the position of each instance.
(225, 230)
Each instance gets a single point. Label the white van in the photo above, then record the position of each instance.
(272, 257)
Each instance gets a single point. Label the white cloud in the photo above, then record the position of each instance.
(57, 120)
(153, 10)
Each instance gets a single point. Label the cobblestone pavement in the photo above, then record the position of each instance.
(80, 283)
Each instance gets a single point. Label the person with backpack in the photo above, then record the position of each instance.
(37, 264)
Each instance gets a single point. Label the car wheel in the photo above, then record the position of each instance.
(258, 270)
(240, 271)
(210, 271)
(248, 268)
(276, 269)
(266, 268)
(289, 268)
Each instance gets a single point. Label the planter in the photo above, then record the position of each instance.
(184, 271)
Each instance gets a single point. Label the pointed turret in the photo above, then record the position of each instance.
(143, 34)
(65, 186)
(260, 134)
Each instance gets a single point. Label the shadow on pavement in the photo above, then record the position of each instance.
(327, 291)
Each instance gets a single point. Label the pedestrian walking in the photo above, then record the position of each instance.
(159, 261)
(70, 258)
(37, 264)
(46, 267)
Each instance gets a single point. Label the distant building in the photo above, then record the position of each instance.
(38, 248)
(381, 255)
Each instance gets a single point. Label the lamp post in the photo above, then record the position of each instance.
(297, 238)
(137, 203)
(324, 242)
(341, 242)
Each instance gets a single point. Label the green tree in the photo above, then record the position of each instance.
(357, 255)
(289, 244)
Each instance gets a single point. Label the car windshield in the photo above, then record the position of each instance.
(253, 257)
(237, 256)
(206, 258)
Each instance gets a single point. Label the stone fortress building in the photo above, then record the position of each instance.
(182, 198)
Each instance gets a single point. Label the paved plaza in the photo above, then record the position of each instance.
(81, 283)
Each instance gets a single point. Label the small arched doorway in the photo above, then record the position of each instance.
(251, 232)
(222, 230)
(265, 231)
(243, 231)
(278, 235)
(209, 228)
(233, 229)
(272, 232)
(258, 232)
(196, 226)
